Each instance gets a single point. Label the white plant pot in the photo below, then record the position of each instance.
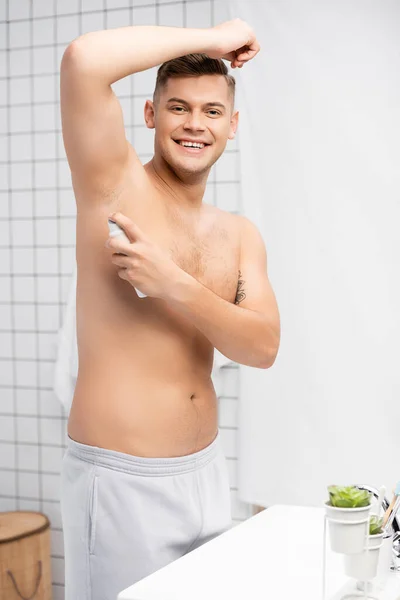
(385, 560)
(348, 528)
(364, 566)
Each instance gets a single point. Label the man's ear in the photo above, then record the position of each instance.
(233, 125)
(149, 114)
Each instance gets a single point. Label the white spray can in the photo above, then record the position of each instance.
(116, 231)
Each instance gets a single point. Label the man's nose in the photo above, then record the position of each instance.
(194, 121)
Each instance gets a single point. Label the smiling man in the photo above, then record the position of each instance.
(144, 478)
(193, 107)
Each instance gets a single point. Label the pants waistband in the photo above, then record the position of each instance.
(144, 465)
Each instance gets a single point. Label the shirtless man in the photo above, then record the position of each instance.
(144, 479)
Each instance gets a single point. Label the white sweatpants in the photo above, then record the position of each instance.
(124, 516)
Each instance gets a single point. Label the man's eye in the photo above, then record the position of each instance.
(178, 107)
(214, 111)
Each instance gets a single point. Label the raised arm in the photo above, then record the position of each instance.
(92, 118)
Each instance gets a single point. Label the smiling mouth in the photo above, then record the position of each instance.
(191, 149)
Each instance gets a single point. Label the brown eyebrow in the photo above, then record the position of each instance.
(187, 103)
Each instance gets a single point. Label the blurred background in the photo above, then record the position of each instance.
(314, 165)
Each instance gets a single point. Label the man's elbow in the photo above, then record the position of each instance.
(266, 364)
(269, 358)
(270, 343)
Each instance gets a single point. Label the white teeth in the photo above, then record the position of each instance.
(192, 144)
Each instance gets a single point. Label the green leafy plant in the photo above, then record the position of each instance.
(348, 496)
(375, 525)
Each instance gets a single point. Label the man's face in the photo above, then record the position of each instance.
(195, 109)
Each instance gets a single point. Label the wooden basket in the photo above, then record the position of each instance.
(25, 563)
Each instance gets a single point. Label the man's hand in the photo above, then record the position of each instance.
(234, 41)
(145, 266)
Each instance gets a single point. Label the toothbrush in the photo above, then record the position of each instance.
(116, 231)
(378, 506)
(393, 513)
(390, 511)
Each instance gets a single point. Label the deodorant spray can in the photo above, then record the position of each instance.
(116, 231)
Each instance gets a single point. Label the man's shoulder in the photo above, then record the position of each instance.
(226, 215)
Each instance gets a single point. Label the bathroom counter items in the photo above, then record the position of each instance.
(277, 553)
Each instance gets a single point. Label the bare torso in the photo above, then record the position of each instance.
(144, 385)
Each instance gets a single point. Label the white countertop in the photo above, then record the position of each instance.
(275, 555)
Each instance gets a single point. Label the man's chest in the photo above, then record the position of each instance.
(212, 260)
(208, 249)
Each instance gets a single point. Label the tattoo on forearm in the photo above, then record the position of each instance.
(240, 295)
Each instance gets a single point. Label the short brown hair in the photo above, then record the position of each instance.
(192, 65)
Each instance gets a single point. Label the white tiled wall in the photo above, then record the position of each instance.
(37, 233)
